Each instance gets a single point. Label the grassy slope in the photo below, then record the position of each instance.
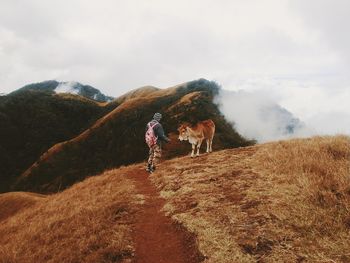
(285, 201)
(90, 222)
(118, 138)
(13, 202)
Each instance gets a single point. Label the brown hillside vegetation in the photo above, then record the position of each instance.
(137, 93)
(90, 222)
(13, 202)
(118, 137)
(32, 121)
(115, 217)
(286, 201)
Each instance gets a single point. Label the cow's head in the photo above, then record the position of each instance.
(183, 132)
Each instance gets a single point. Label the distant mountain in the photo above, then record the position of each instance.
(68, 87)
(286, 122)
(118, 137)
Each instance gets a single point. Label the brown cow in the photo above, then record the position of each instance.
(195, 135)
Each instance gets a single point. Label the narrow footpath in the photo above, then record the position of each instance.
(157, 238)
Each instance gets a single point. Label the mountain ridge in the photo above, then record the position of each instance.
(117, 138)
(187, 102)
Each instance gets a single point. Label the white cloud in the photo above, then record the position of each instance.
(67, 87)
(323, 109)
(256, 115)
(281, 47)
(330, 20)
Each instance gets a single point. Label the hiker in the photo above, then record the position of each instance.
(154, 136)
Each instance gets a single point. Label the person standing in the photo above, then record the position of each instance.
(154, 137)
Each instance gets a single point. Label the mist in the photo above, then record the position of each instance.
(65, 87)
(257, 115)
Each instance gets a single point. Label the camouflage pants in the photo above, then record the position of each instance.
(155, 152)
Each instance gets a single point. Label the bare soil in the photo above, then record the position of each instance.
(157, 238)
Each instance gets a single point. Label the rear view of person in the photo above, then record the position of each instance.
(154, 137)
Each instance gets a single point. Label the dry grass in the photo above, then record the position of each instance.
(137, 93)
(14, 202)
(186, 100)
(89, 222)
(311, 192)
(286, 201)
(78, 98)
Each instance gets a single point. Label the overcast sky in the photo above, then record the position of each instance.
(296, 51)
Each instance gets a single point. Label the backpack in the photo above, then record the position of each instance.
(150, 137)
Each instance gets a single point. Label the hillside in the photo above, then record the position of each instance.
(118, 138)
(89, 222)
(31, 121)
(284, 201)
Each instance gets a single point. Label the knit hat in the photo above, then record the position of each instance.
(157, 116)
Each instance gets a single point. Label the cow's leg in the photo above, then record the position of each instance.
(208, 145)
(199, 146)
(193, 148)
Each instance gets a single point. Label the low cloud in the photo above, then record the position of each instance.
(67, 87)
(262, 108)
(256, 115)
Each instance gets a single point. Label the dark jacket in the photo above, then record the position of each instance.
(158, 131)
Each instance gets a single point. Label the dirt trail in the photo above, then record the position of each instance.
(157, 238)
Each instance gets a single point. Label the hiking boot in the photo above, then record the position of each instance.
(149, 168)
